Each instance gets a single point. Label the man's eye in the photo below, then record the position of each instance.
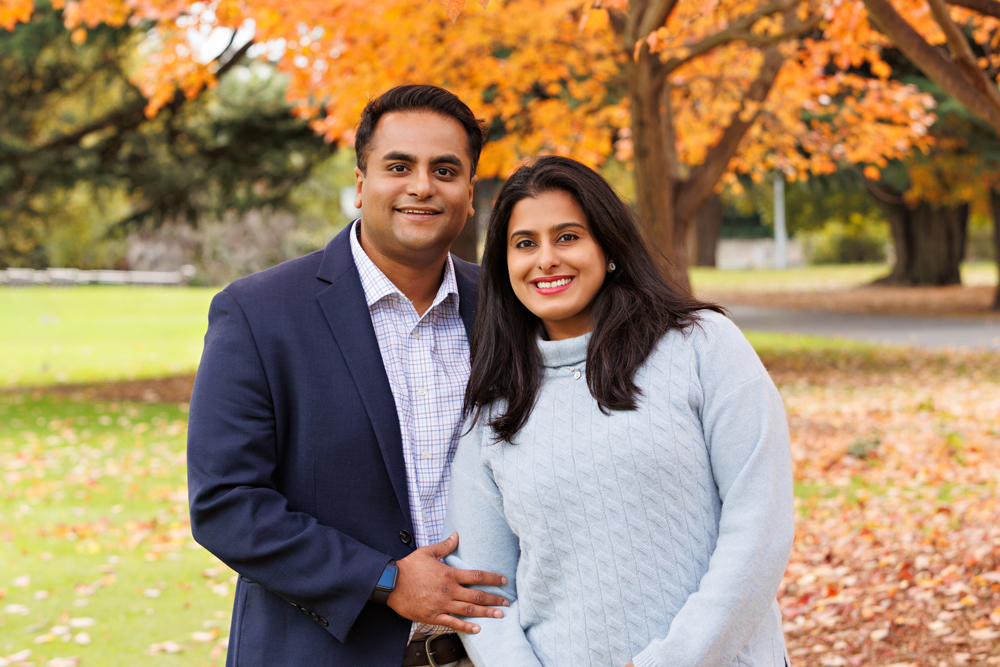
(397, 168)
(442, 171)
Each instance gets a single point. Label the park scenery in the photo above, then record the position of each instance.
(827, 170)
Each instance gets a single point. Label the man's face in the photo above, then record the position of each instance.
(416, 192)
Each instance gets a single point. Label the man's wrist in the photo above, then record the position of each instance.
(386, 583)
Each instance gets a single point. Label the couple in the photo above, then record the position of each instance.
(611, 470)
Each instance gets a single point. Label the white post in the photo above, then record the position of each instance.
(780, 234)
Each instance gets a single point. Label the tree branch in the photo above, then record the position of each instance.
(126, 118)
(234, 60)
(700, 185)
(940, 69)
(962, 53)
(737, 30)
(987, 7)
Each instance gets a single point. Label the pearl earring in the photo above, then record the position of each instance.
(611, 266)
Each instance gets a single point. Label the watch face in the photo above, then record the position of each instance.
(388, 578)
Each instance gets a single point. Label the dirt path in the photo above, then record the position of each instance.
(957, 301)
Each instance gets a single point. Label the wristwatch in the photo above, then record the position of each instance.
(386, 583)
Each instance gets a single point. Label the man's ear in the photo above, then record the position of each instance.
(359, 179)
(472, 185)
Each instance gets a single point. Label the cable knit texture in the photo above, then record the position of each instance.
(657, 536)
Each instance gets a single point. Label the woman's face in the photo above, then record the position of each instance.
(556, 267)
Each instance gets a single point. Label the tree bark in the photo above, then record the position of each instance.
(466, 246)
(995, 202)
(708, 228)
(929, 242)
(655, 172)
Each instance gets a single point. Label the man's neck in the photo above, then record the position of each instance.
(418, 280)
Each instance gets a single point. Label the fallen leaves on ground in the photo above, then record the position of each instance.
(897, 551)
(896, 561)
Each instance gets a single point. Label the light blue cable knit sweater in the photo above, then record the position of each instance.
(657, 536)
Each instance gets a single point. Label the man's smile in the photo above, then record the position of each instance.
(418, 211)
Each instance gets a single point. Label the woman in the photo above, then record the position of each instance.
(628, 465)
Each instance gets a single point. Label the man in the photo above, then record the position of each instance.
(326, 412)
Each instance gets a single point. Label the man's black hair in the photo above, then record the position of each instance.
(418, 98)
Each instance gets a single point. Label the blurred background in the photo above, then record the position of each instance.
(828, 170)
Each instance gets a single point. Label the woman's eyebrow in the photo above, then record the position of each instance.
(565, 225)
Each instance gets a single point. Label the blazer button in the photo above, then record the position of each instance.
(405, 537)
(325, 623)
(314, 616)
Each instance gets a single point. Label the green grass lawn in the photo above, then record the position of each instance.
(88, 334)
(96, 553)
(83, 334)
(811, 278)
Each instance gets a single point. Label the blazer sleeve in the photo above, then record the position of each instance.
(236, 511)
(747, 436)
(486, 542)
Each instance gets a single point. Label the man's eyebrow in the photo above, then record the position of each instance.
(398, 156)
(447, 158)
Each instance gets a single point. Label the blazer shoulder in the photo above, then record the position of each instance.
(289, 275)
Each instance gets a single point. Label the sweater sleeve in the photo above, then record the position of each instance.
(747, 435)
(486, 542)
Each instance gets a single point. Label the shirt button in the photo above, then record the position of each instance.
(576, 375)
(405, 537)
(416, 334)
(425, 455)
(421, 391)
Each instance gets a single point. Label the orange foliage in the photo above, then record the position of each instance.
(548, 75)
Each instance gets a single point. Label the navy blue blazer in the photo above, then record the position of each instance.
(295, 463)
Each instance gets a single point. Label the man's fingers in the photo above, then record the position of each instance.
(444, 547)
(479, 578)
(456, 624)
(481, 598)
(470, 610)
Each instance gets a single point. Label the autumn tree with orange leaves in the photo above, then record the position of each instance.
(692, 92)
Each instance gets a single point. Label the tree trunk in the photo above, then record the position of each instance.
(466, 246)
(929, 242)
(654, 173)
(708, 228)
(995, 202)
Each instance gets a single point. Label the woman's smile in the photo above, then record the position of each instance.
(552, 284)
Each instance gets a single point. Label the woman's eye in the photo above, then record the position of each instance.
(567, 237)
(523, 243)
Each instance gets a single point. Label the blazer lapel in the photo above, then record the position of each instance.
(343, 304)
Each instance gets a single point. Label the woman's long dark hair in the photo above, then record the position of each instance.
(633, 309)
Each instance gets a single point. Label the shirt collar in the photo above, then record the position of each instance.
(377, 286)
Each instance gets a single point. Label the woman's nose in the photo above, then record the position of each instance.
(547, 256)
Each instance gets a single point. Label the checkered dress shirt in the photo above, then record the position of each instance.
(427, 361)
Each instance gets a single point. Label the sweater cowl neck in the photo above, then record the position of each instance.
(568, 352)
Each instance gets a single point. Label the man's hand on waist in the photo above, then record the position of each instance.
(428, 591)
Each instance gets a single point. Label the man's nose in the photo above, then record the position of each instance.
(421, 185)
